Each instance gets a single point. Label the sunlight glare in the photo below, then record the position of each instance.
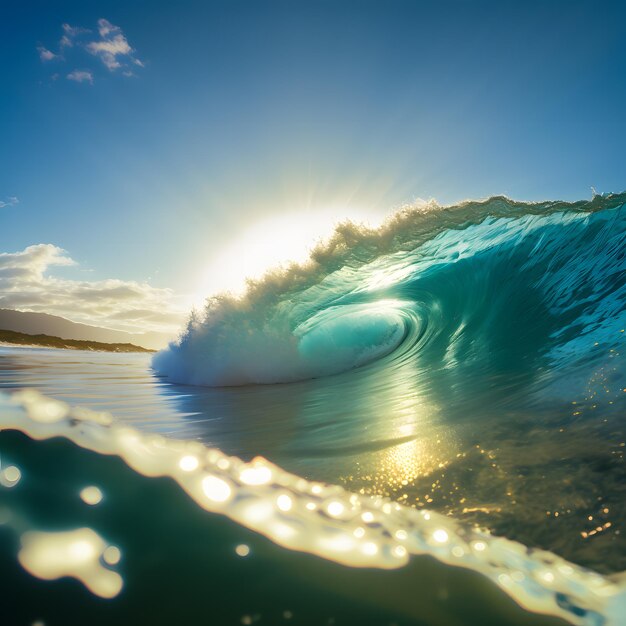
(270, 243)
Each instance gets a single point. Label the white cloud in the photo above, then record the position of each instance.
(10, 201)
(26, 283)
(109, 50)
(112, 48)
(81, 76)
(70, 33)
(105, 27)
(73, 31)
(45, 54)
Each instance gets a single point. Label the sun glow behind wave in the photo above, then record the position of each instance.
(274, 242)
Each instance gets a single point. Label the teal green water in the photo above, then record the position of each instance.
(467, 361)
(477, 361)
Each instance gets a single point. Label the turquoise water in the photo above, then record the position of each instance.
(466, 361)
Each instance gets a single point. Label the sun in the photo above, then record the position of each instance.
(269, 243)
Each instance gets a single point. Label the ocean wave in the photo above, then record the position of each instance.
(494, 286)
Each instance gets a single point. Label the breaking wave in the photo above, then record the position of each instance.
(492, 286)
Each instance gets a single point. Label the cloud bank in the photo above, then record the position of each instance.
(26, 284)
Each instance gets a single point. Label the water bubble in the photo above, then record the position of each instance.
(91, 495)
(242, 550)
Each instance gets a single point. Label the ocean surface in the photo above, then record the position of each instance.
(425, 424)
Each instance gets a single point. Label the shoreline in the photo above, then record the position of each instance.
(6, 344)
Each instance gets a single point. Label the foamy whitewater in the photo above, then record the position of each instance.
(424, 424)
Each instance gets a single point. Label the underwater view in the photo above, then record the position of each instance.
(424, 424)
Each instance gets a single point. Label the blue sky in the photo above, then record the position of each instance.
(236, 113)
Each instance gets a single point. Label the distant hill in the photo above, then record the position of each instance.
(43, 323)
(46, 341)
